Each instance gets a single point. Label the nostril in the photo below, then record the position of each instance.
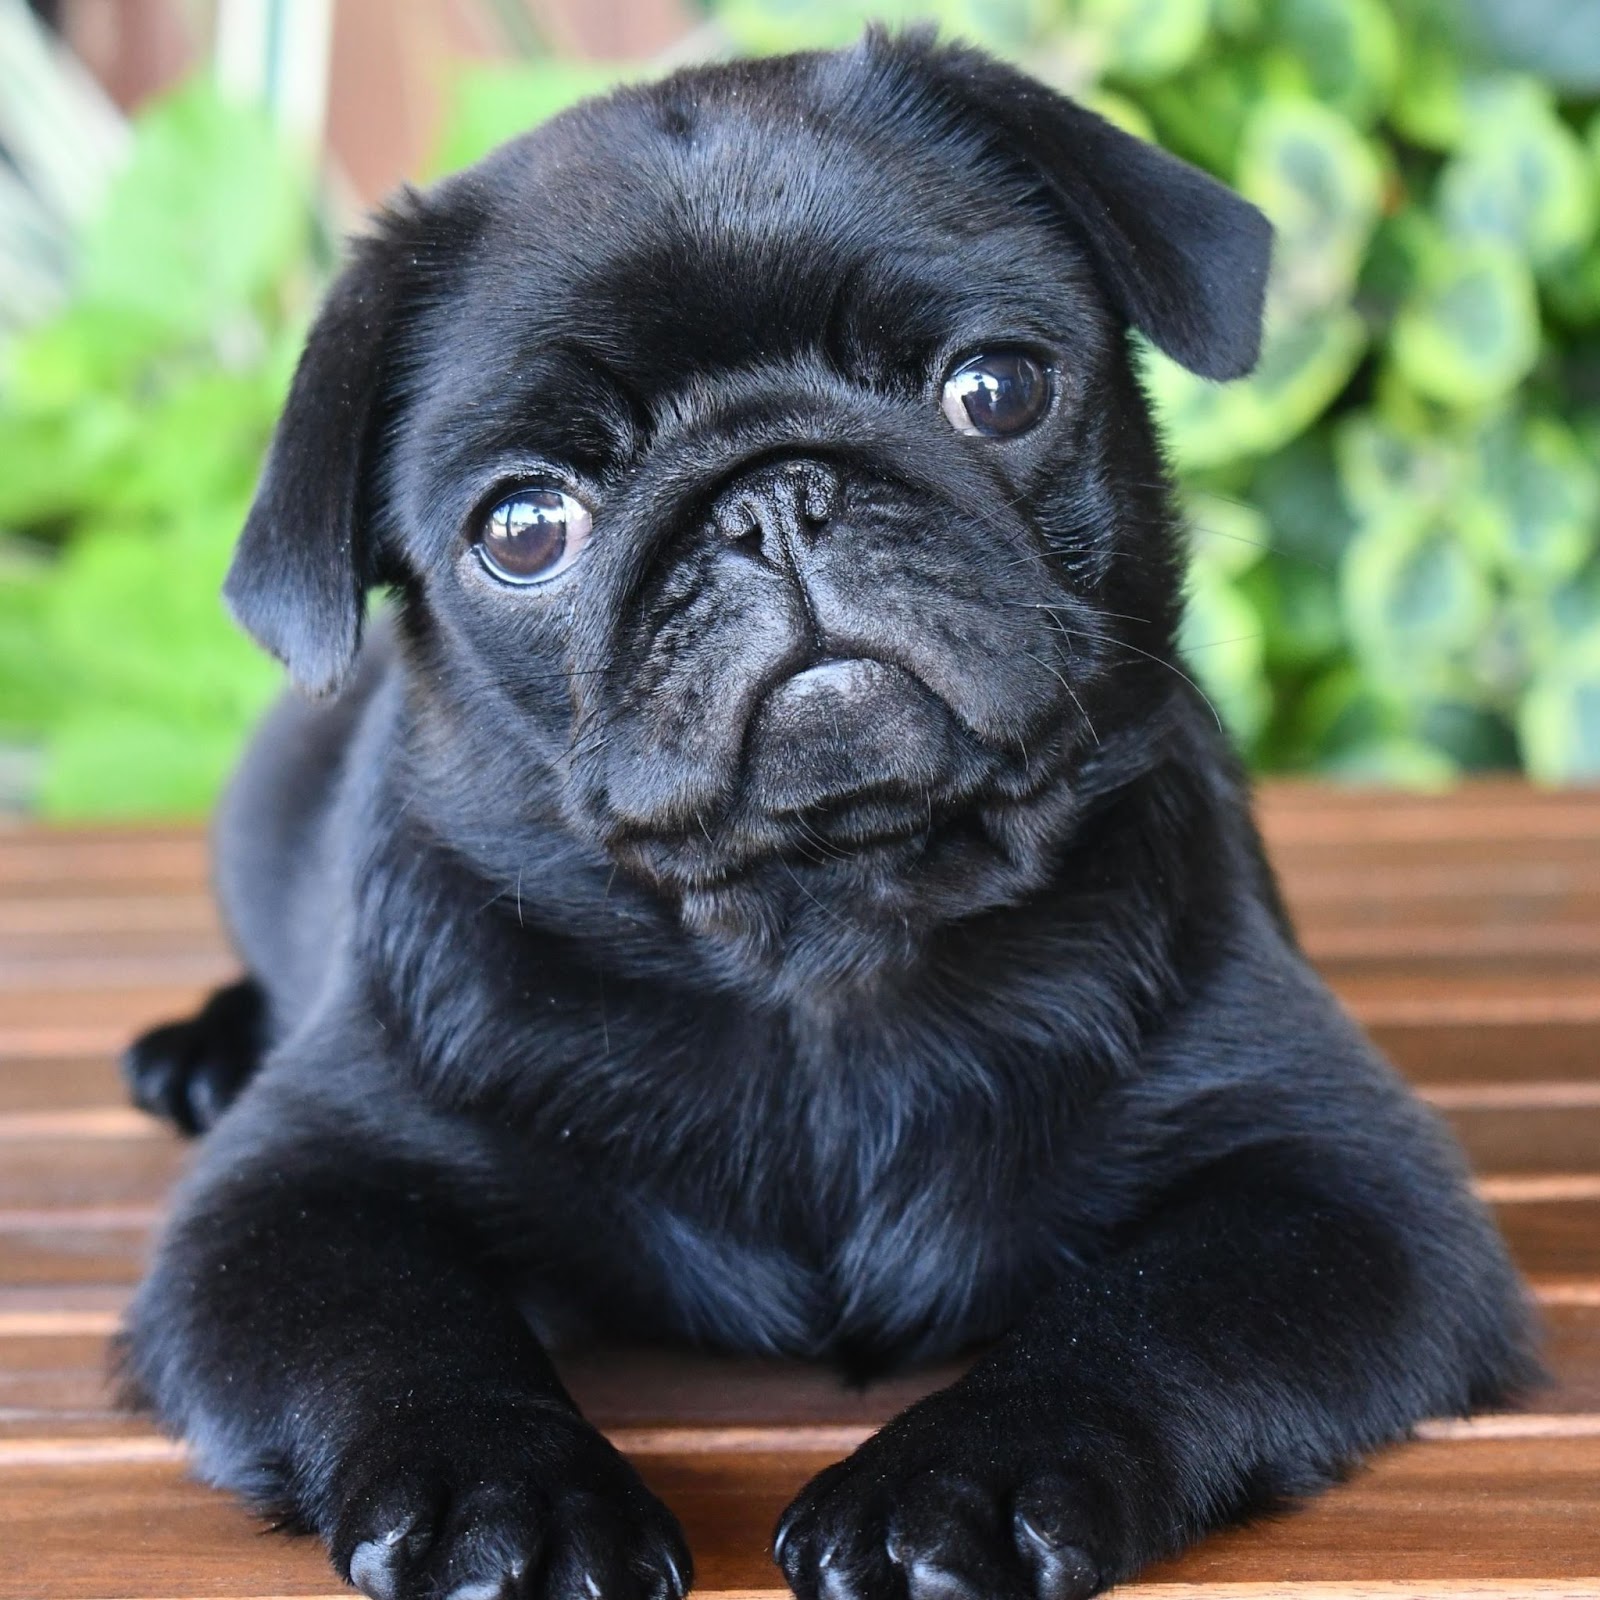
(740, 521)
(736, 519)
(818, 491)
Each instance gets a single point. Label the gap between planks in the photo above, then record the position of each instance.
(1456, 1010)
(802, 1438)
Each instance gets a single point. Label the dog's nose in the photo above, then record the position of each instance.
(768, 511)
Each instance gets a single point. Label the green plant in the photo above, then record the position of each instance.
(131, 427)
(1396, 520)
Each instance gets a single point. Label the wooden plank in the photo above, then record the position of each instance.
(1560, 1135)
(97, 1227)
(1523, 1065)
(63, 1246)
(1504, 1126)
(1556, 1240)
(1492, 1049)
(1490, 890)
(40, 1174)
(100, 1019)
(1289, 798)
(39, 978)
(1431, 825)
(42, 858)
(55, 1083)
(1409, 951)
(89, 1023)
(1511, 1510)
(1385, 998)
(54, 1385)
(1337, 912)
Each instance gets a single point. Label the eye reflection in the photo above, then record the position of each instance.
(533, 535)
(995, 394)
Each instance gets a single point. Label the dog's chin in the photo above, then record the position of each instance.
(846, 899)
(866, 818)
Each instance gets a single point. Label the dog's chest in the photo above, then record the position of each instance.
(860, 1253)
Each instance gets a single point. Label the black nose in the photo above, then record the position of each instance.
(768, 511)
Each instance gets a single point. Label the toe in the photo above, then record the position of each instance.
(947, 1537)
(378, 1566)
(1050, 1523)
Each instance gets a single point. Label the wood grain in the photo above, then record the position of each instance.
(1492, 1509)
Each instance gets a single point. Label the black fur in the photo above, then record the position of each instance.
(619, 980)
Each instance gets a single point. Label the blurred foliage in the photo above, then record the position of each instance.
(1396, 519)
(132, 425)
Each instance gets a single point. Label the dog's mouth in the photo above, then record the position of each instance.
(850, 763)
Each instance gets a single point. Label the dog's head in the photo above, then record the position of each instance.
(759, 464)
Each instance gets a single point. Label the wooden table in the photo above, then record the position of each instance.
(1463, 931)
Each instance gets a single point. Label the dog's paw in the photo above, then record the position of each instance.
(541, 1508)
(947, 1503)
(189, 1073)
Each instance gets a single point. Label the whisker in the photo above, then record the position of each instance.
(1068, 687)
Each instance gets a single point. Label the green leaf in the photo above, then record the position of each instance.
(1303, 367)
(1572, 289)
(203, 222)
(116, 763)
(1006, 26)
(1570, 610)
(1222, 641)
(1120, 111)
(1474, 737)
(1557, 39)
(1202, 114)
(55, 463)
(1538, 520)
(1522, 177)
(31, 690)
(1558, 721)
(1298, 489)
(1321, 185)
(1394, 762)
(1227, 536)
(1298, 604)
(486, 105)
(136, 620)
(1145, 40)
(1415, 603)
(1430, 102)
(1471, 334)
(1350, 50)
(765, 27)
(1387, 469)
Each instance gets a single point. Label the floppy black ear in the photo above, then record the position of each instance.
(1181, 256)
(303, 563)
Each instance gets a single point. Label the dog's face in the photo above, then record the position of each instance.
(759, 462)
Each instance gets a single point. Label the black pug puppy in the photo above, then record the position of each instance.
(772, 887)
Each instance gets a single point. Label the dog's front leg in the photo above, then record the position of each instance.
(321, 1329)
(1259, 1329)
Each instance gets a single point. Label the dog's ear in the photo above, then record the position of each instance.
(1181, 257)
(304, 561)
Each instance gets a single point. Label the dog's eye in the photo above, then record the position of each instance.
(994, 394)
(534, 534)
